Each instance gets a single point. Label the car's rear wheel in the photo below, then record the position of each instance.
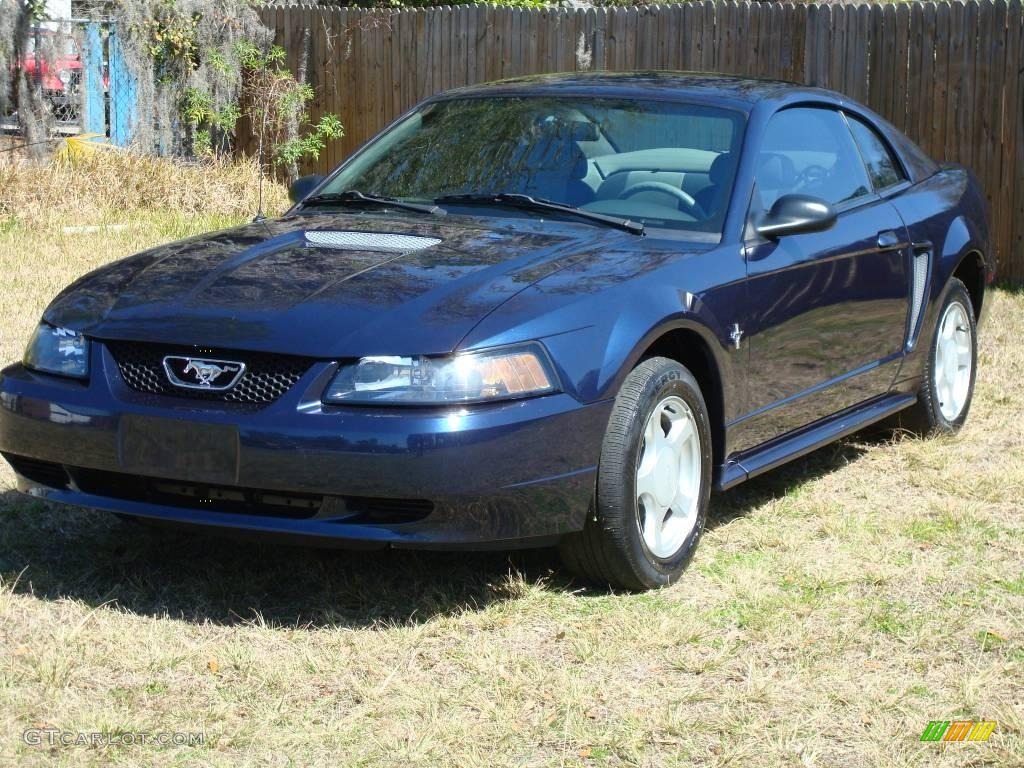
(948, 384)
(653, 483)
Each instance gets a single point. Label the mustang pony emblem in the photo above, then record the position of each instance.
(199, 373)
(206, 372)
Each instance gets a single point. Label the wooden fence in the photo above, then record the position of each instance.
(951, 75)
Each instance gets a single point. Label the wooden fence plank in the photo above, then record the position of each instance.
(998, 66)
(940, 92)
(1013, 250)
(530, 50)
(957, 43)
(823, 33)
(629, 58)
(666, 30)
(836, 53)
(1010, 170)
(794, 45)
(964, 149)
(725, 29)
(901, 58)
(921, 59)
(572, 24)
(780, 28)
(507, 43)
(758, 17)
(878, 58)
(343, 67)
(746, 39)
(707, 33)
(479, 26)
(690, 34)
(987, 77)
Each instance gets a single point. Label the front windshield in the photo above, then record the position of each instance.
(666, 164)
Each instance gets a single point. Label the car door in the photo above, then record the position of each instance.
(826, 310)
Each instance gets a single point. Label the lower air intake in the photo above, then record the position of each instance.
(44, 473)
(186, 495)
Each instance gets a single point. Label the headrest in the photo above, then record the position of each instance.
(775, 172)
(721, 169)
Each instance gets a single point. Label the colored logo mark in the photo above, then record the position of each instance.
(958, 730)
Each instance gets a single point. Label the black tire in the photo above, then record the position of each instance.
(925, 417)
(610, 549)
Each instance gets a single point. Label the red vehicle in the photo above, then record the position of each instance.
(54, 61)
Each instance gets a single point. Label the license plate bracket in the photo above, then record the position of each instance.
(179, 449)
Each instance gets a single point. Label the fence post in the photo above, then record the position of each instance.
(94, 118)
(124, 106)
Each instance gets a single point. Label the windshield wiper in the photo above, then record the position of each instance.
(517, 200)
(360, 198)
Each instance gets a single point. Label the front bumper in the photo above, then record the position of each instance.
(497, 475)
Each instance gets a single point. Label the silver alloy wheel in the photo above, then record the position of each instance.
(954, 360)
(668, 477)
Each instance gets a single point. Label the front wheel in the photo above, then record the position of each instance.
(948, 385)
(653, 482)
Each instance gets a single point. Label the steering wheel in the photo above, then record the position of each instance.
(693, 207)
(811, 175)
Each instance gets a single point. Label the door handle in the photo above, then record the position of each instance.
(888, 239)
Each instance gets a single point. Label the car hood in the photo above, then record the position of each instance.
(324, 285)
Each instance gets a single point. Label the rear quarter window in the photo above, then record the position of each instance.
(882, 166)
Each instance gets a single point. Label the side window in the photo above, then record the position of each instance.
(883, 168)
(809, 151)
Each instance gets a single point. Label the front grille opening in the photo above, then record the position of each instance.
(267, 376)
(42, 472)
(367, 510)
(186, 495)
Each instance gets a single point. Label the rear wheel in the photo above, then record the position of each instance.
(653, 483)
(948, 385)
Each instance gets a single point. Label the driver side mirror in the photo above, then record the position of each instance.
(302, 186)
(794, 214)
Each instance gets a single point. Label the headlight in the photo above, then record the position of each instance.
(472, 377)
(64, 76)
(58, 350)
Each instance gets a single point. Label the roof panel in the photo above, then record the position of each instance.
(700, 85)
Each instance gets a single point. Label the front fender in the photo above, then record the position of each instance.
(691, 314)
(597, 326)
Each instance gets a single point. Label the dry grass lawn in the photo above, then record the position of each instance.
(833, 609)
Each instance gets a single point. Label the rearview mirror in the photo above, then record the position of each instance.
(581, 130)
(302, 186)
(793, 214)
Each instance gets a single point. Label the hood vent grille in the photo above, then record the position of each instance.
(370, 241)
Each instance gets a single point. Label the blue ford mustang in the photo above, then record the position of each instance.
(558, 309)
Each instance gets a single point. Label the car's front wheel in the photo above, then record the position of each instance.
(653, 483)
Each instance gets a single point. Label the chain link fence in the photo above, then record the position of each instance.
(66, 79)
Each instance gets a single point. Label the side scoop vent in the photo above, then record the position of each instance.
(919, 285)
(369, 241)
